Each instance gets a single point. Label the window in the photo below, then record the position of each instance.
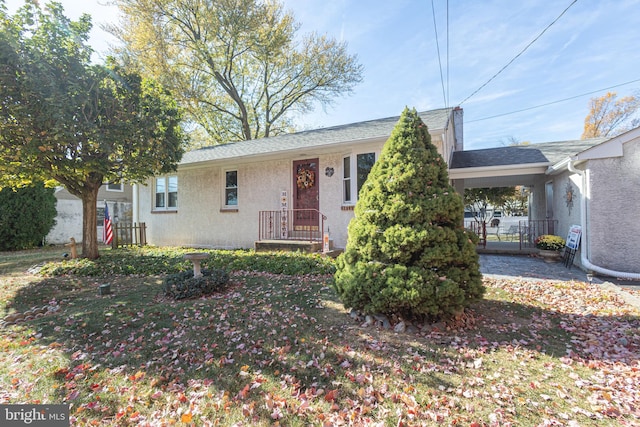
(114, 187)
(231, 189)
(361, 164)
(364, 163)
(347, 179)
(166, 191)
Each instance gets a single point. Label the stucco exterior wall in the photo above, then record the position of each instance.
(612, 210)
(566, 214)
(202, 221)
(537, 203)
(68, 222)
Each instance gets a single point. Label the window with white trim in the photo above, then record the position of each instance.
(231, 189)
(346, 180)
(166, 193)
(352, 182)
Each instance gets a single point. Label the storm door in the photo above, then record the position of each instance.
(306, 196)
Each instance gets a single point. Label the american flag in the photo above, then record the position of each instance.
(107, 231)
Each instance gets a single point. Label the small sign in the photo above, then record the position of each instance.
(573, 238)
(284, 214)
(35, 415)
(325, 242)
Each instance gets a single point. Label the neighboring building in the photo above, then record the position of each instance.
(216, 196)
(69, 207)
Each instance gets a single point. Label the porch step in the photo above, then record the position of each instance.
(296, 245)
(287, 246)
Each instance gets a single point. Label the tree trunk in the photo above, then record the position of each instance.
(90, 221)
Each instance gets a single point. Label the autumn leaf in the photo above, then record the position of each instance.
(331, 395)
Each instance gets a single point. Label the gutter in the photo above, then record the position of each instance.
(584, 256)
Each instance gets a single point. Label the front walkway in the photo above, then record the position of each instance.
(505, 247)
(529, 267)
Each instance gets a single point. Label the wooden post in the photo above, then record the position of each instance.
(72, 245)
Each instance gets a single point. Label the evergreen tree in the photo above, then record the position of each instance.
(27, 214)
(407, 252)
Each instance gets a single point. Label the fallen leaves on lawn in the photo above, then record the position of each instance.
(273, 349)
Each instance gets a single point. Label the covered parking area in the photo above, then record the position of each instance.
(526, 165)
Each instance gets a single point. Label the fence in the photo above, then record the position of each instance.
(529, 230)
(480, 228)
(291, 224)
(125, 234)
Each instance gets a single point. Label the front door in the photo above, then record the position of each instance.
(305, 195)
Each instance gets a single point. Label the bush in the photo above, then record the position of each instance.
(407, 252)
(26, 216)
(184, 285)
(550, 242)
(149, 260)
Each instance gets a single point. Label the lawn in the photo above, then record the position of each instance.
(277, 348)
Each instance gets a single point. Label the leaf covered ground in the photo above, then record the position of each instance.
(278, 349)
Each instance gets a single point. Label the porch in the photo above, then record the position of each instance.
(301, 230)
(512, 239)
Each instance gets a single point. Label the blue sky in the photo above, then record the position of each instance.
(593, 46)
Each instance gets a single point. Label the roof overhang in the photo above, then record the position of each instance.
(497, 171)
(499, 176)
(292, 152)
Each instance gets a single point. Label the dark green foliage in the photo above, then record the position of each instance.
(80, 124)
(150, 261)
(407, 252)
(26, 216)
(183, 285)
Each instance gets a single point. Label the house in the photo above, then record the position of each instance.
(69, 207)
(227, 196)
(230, 196)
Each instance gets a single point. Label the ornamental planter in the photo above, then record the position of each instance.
(549, 256)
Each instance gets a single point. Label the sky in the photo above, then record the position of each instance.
(590, 49)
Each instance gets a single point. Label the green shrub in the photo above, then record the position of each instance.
(27, 214)
(407, 251)
(151, 260)
(184, 285)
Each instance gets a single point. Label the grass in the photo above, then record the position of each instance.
(279, 349)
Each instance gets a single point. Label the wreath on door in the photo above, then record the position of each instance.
(306, 178)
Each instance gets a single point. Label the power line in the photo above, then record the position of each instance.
(435, 29)
(552, 102)
(521, 52)
(447, 100)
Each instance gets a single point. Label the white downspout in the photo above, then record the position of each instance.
(584, 256)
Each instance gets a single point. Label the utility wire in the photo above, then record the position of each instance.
(521, 52)
(552, 102)
(435, 29)
(447, 101)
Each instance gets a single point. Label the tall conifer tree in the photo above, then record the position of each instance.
(407, 251)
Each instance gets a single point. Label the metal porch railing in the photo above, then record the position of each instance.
(292, 224)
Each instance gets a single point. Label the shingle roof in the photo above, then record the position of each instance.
(380, 128)
(548, 152)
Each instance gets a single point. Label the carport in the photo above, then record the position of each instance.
(527, 165)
